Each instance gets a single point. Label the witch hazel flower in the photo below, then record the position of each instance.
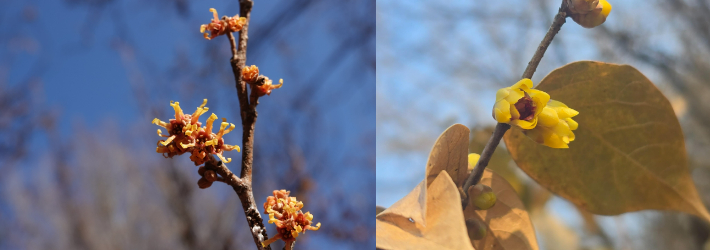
(186, 134)
(285, 212)
(218, 27)
(260, 83)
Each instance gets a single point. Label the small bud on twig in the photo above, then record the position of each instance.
(204, 183)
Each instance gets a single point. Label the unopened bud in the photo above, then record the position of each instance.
(594, 17)
(201, 170)
(582, 6)
(210, 175)
(204, 183)
(481, 197)
(476, 229)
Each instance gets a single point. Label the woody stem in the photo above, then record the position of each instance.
(501, 128)
(248, 113)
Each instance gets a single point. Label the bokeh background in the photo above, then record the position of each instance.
(81, 80)
(440, 63)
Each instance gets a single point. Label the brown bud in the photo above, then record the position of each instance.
(204, 183)
(210, 175)
(201, 170)
(582, 6)
(476, 229)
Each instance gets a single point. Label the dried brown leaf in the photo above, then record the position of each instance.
(450, 153)
(427, 218)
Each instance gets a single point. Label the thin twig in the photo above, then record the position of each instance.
(243, 187)
(501, 128)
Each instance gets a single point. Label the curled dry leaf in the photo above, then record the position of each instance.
(450, 153)
(379, 209)
(508, 223)
(427, 218)
(629, 152)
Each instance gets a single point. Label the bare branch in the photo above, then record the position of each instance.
(501, 128)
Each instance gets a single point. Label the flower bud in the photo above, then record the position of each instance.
(481, 197)
(476, 229)
(210, 175)
(593, 17)
(201, 170)
(582, 6)
(204, 183)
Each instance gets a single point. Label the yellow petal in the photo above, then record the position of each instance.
(525, 124)
(502, 94)
(281, 83)
(514, 95)
(606, 7)
(227, 160)
(178, 110)
(548, 117)
(524, 84)
(158, 122)
(556, 104)
(562, 110)
(214, 12)
(167, 141)
(540, 98)
(501, 111)
(210, 120)
(572, 123)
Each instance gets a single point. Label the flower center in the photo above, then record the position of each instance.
(526, 108)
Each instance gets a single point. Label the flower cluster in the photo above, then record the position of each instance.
(285, 212)
(260, 83)
(589, 13)
(546, 121)
(219, 27)
(555, 126)
(186, 134)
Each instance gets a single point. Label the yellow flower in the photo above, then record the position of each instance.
(590, 17)
(218, 27)
(555, 125)
(520, 105)
(186, 134)
(249, 74)
(285, 212)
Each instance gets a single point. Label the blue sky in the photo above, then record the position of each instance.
(121, 62)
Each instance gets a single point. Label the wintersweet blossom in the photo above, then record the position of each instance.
(520, 104)
(219, 27)
(186, 134)
(555, 125)
(285, 212)
(589, 13)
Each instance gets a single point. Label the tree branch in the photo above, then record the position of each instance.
(242, 185)
(475, 176)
